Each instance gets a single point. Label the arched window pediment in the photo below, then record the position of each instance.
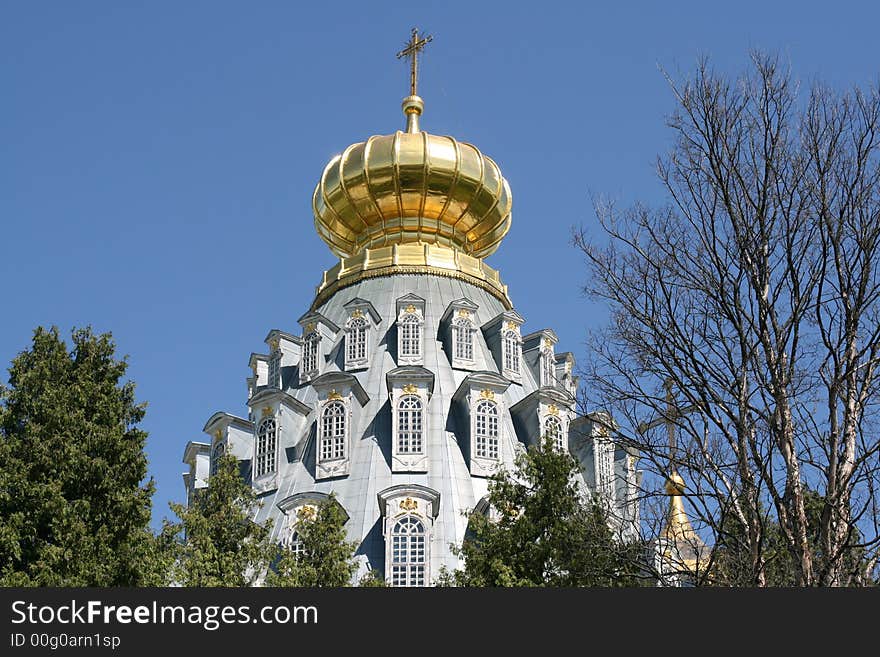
(408, 512)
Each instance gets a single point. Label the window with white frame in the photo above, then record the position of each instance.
(462, 339)
(275, 370)
(410, 341)
(216, 454)
(295, 544)
(310, 353)
(356, 340)
(486, 429)
(410, 427)
(409, 552)
(333, 428)
(265, 447)
(553, 431)
(511, 351)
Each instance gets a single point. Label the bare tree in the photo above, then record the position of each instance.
(755, 292)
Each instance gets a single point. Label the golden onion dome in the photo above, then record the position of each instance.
(684, 550)
(674, 484)
(412, 187)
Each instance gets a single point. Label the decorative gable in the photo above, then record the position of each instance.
(459, 328)
(502, 335)
(285, 351)
(539, 357)
(336, 409)
(545, 411)
(480, 404)
(279, 418)
(359, 331)
(319, 334)
(565, 377)
(302, 505)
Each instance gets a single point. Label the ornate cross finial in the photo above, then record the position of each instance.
(413, 47)
(669, 419)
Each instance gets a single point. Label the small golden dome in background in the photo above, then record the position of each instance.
(684, 549)
(412, 187)
(675, 484)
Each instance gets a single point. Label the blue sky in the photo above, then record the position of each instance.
(157, 160)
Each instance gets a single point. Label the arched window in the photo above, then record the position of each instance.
(409, 425)
(408, 553)
(410, 338)
(511, 352)
(216, 454)
(553, 431)
(356, 340)
(295, 544)
(333, 431)
(265, 448)
(486, 429)
(463, 338)
(310, 353)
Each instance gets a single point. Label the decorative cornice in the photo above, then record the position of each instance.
(227, 420)
(408, 375)
(409, 491)
(481, 380)
(331, 383)
(311, 498)
(193, 449)
(271, 395)
(411, 259)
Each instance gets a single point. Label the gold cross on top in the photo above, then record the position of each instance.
(413, 47)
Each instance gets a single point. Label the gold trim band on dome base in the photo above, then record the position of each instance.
(411, 259)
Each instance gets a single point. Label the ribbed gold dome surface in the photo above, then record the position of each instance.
(412, 187)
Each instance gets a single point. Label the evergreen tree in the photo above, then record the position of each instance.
(216, 543)
(74, 503)
(325, 557)
(372, 579)
(545, 533)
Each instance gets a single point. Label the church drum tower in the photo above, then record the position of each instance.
(409, 381)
